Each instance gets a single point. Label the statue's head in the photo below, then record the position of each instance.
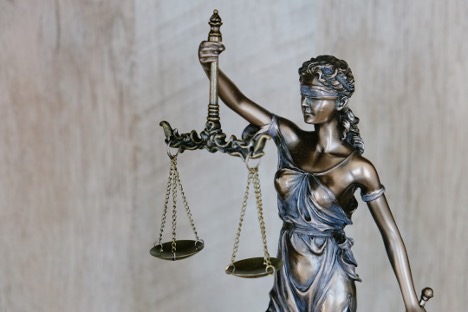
(333, 74)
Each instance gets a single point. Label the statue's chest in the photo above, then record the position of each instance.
(293, 185)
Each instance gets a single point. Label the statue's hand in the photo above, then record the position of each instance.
(208, 51)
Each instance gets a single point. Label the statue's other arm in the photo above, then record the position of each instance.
(396, 250)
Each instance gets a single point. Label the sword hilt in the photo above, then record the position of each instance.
(426, 294)
(214, 36)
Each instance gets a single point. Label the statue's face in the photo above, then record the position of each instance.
(318, 104)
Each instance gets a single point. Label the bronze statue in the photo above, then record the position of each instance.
(318, 174)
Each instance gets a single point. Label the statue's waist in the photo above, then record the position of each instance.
(338, 235)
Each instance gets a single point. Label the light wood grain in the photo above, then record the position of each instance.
(83, 86)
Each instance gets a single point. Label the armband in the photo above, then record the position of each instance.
(373, 195)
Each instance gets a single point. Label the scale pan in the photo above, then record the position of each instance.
(184, 249)
(253, 267)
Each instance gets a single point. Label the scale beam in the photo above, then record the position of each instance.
(213, 139)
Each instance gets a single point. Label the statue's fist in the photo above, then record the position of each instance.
(208, 51)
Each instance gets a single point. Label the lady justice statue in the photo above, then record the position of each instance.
(318, 173)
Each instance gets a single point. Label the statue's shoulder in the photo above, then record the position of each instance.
(364, 172)
(290, 131)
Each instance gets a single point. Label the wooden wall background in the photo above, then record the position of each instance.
(84, 84)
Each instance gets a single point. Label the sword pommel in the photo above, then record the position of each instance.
(426, 294)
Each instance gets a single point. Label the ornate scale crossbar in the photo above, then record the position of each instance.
(213, 139)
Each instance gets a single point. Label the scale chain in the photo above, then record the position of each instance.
(258, 197)
(166, 203)
(244, 208)
(187, 209)
(174, 205)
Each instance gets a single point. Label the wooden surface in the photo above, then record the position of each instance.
(84, 84)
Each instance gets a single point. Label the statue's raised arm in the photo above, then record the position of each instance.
(228, 91)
